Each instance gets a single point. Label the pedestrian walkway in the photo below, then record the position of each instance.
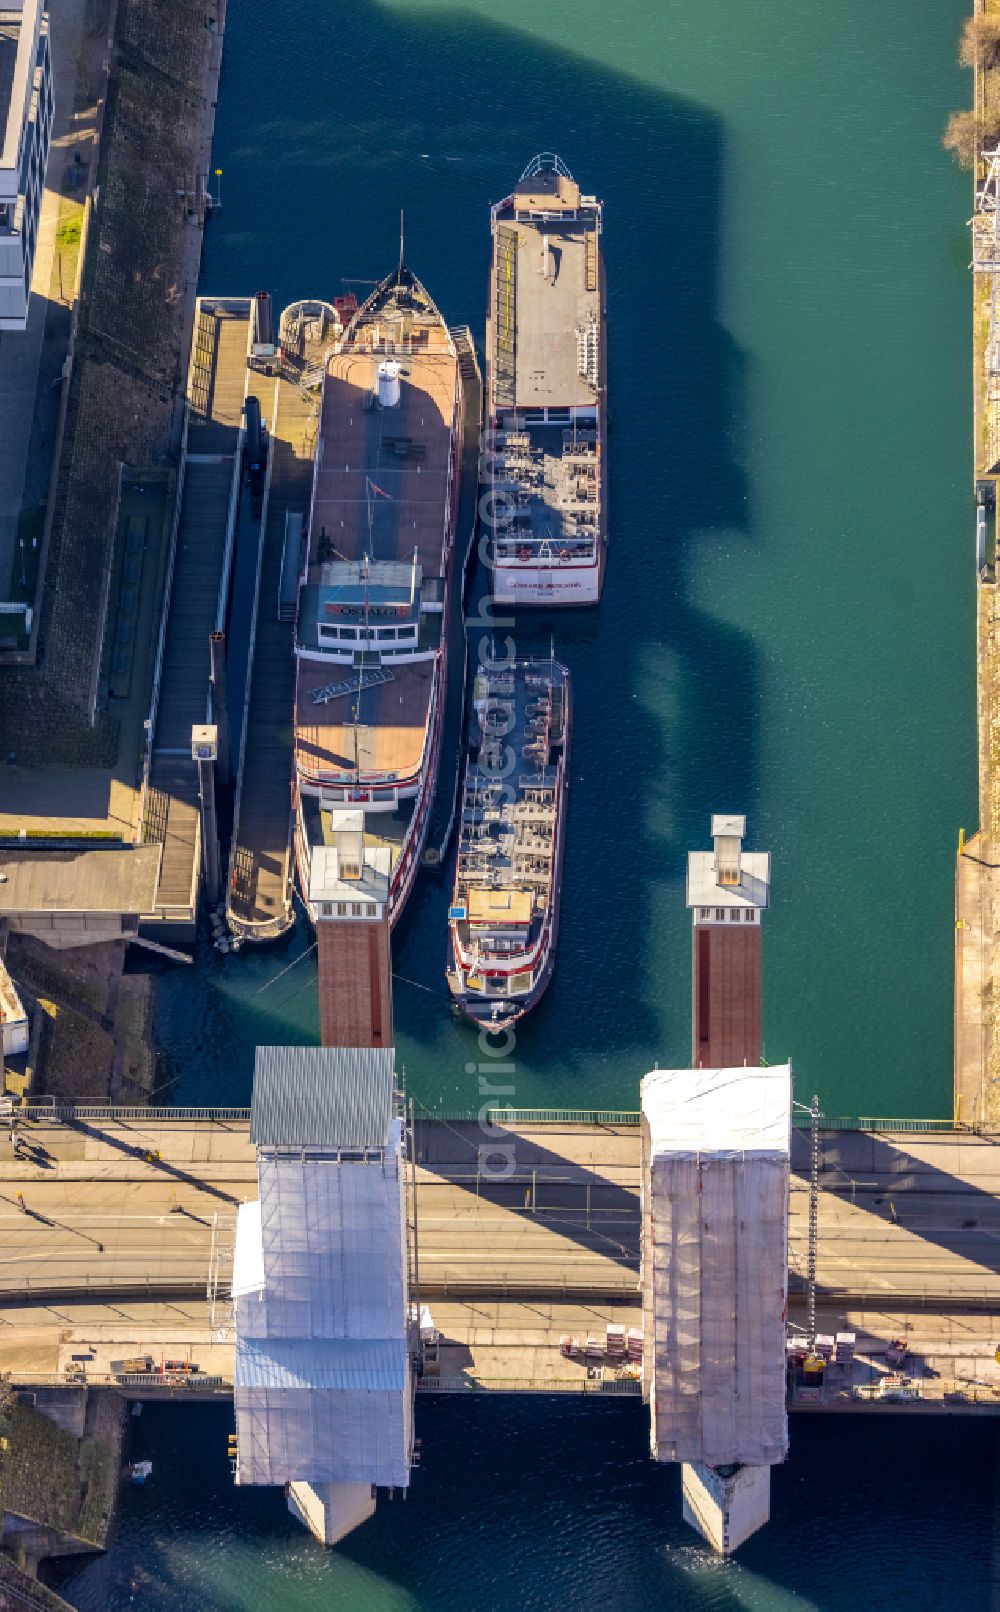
(216, 388)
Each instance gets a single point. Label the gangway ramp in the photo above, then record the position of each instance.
(259, 898)
(197, 584)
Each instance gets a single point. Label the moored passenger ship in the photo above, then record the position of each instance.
(546, 391)
(373, 601)
(504, 918)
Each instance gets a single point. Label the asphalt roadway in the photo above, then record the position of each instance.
(125, 1208)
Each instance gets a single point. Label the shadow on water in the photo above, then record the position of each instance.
(438, 114)
(549, 1502)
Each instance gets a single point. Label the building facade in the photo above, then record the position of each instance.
(26, 109)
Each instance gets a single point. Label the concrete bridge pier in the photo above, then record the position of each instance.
(331, 1511)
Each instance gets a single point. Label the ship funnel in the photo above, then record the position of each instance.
(388, 384)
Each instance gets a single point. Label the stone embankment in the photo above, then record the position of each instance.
(977, 930)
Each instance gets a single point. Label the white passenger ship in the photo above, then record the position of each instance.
(546, 391)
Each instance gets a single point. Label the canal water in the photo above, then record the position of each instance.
(553, 1504)
(787, 624)
(786, 630)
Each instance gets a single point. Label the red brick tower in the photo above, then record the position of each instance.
(349, 899)
(727, 890)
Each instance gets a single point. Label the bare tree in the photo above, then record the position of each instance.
(980, 42)
(961, 137)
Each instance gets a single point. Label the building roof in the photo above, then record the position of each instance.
(753, 890)
(340, 1098)
(19, 25)
(719, 1112)
(345, 1364)
(728, 823)
(122, 880)
(11, 1005)
(752, 869)
(371, 889)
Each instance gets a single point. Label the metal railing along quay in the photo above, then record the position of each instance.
(51, 1108)
(627, 1386)
(599, 1118)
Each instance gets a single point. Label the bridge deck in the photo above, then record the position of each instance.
(259, 897)
(905, 1218)
(118, 1244)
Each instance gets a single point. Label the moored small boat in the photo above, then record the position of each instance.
(504, 917)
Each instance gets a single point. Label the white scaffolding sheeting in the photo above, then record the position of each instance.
(299, 1435)
(715, 1256)
(323, 1388)
(248, 1260)
(331, 1412)
(332, 1247)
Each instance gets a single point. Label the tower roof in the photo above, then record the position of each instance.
(341, 1098)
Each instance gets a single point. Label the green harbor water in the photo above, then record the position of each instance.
(786, 630)
(787, 624)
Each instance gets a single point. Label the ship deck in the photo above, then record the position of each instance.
(508, 830)
(381, 484)
(548, 478)
(392, 716)
(547, 280)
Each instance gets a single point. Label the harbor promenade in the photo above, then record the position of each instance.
(124, 1217)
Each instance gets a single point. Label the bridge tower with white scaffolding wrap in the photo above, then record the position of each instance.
(323, 1384)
